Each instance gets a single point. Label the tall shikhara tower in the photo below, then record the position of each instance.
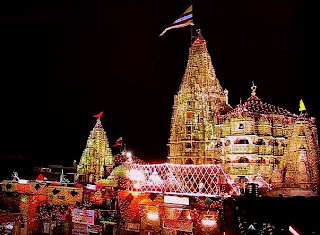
(96, 159)
(196, 106)
(256, 142)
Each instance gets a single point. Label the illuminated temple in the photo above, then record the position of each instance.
(229, 171)
(96, 160)
(255, 142)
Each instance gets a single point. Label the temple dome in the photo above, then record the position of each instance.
(255, 105)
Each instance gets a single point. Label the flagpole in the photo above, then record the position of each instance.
(191, 33)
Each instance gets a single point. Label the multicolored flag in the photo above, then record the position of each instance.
(185, 19)
(301, 106)
(118, 142)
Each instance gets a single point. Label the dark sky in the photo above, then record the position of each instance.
(64, 61)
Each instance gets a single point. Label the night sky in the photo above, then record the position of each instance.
(64, 61)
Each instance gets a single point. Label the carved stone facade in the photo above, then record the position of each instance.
(96, 161)
(196, 106)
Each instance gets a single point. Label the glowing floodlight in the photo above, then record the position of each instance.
(153, 216)
(20, 181)
(137, 186)
(129, 156)
(136, 175)
(155, 178)
(189, 216)
(209, 222)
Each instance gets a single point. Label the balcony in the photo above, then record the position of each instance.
(241, 148)
(242, 169)
(264, 150)
(278, 151)
(249, 169)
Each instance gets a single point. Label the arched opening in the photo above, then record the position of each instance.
(241, 141)
(261, 160)
(260, 142)
(188, 146)
(243, 160)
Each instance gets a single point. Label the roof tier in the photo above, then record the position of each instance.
(255, 105)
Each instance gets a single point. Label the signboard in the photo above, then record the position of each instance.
(79, 232)
(134, 227)
(80, 229)
(91, 187)
(83, 216)
(176, 200)
(179, 225)
(95, 229)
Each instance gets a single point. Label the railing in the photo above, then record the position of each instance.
(264, 149)
(241, 148)
(249, 169)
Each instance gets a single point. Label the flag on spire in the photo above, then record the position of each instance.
(98, 115)
(184, 20)
(302, 107)
(118, 142)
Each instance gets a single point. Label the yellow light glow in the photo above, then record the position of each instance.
(153, 216)
(209, 222)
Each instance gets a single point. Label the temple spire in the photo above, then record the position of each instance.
(96, 159)
(196, 106)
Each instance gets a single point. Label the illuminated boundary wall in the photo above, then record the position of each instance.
(54, 194)
(191, 180)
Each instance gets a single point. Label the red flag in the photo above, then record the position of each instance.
(98, 115)
(40, 177)
(118, 142)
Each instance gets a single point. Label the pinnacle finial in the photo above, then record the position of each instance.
(253, 93)
(253, 88)
(199, 32)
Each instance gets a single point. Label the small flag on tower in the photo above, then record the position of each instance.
(118, 142)
(301, 106)
(98, 115)
(184, 20)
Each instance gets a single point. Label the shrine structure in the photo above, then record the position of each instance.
(255, 142)
(96, 160)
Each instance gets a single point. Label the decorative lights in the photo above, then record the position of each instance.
(96, 157)
(136, 175)
(180, 179)
(153, 215)
(253, 139)
(209, 222)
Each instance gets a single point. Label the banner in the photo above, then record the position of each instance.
(83, 216)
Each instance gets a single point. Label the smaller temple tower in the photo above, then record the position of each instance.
(301, 160)
(96, 160)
